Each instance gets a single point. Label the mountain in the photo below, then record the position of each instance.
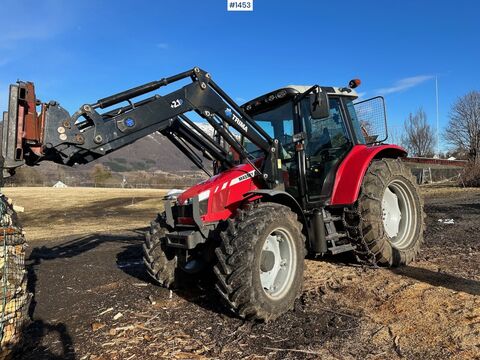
(153, 152)
(150, 160)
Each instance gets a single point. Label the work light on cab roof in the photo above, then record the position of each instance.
(354, 83)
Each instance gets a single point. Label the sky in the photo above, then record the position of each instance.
(79, 51)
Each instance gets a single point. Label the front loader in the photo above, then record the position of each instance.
(296, 171)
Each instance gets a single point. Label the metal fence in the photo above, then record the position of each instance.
(107, 186)
(373, 119)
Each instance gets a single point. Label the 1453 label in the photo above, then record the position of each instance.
(246, 5)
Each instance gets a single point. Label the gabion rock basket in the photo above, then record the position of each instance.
(14, 298)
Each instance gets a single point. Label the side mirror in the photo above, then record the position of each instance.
(319, 106)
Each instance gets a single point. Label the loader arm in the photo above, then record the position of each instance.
(55, 135)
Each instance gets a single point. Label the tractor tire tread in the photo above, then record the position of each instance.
(370, 208)
(159, 266)
(235, 256)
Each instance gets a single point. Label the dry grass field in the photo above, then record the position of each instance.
(52, 213)
(85, 268)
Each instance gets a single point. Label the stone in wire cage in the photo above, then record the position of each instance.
(14, 297)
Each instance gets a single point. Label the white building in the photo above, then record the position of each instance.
(59, 184)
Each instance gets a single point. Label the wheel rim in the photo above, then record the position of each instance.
(277, 263)
(398, 213)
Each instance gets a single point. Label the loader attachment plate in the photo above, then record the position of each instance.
(22, 129)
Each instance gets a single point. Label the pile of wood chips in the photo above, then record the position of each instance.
(136, 338)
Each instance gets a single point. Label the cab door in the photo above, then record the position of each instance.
(326, 144)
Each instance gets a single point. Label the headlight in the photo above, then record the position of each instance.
(203, 206)
(203, 201)
(173, 194)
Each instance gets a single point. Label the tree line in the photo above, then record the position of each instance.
(462, 132)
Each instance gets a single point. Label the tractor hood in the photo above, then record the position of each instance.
(222, 191)
(217, 183)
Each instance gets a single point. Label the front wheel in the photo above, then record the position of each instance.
(159, 260)
(391, 214)
(260, 261)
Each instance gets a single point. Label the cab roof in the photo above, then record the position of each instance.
(273, 97)
(343, 91)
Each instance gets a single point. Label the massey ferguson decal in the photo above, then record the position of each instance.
(235, 181)
(241, 178)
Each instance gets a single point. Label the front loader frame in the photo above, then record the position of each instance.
(88, 134)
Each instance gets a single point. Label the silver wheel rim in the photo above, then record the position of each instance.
(398, 214)
(277, 263)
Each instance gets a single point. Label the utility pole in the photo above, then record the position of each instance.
(438, 129)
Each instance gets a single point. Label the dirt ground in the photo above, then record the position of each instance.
(94, 301)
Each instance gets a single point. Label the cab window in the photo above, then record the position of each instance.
(278, 124)
(359, 134)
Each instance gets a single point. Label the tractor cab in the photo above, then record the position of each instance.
(316, 127)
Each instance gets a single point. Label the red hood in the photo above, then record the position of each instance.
(215, 182)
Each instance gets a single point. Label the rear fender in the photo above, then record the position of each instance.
(351, 171)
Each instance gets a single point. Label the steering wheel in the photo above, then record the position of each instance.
(322, 157)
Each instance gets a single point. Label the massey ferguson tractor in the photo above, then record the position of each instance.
(296, 171)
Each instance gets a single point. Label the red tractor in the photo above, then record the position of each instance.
(296, 171)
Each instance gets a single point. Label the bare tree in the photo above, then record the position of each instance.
(100, 174)
(27, 176)
(395, 134)
(463, 131)
(418, 137)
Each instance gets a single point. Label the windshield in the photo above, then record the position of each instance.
(278, 124)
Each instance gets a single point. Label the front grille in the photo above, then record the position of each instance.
(185, 211)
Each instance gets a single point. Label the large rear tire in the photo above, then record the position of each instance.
(260, 261)
(391, 214)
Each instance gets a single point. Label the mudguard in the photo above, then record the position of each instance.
(281, 197)
(351, 171)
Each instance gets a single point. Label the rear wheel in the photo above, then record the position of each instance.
(391, 214)
(260, 261)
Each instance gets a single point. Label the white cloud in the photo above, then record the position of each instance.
(240, 99)
(405, 84)
(361, 95)
(162, 46)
